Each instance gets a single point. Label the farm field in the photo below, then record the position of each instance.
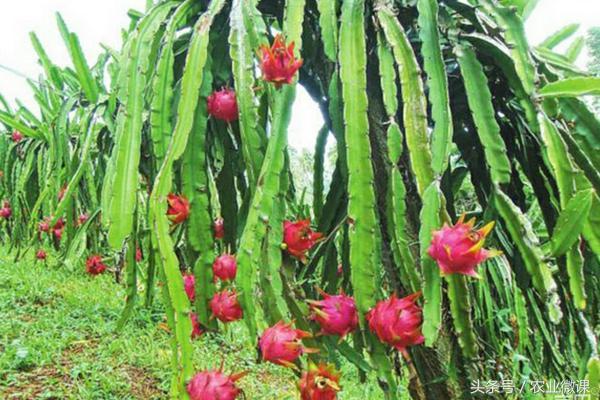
(301, 199)
(58, 341)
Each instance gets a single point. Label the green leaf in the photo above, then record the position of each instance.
(574, 50)
(242, 61)
(570, 222)
(479, 98)
(559, 36)
(572, 87)
(15, 123)
(432, 282)
(84, 75)
(514, 32)
(522, 234)
(328, 21)
(174, 293)
(415, 103)
(126, 152)
(460, 307)
(441, 137)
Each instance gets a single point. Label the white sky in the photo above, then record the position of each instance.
(100, 21)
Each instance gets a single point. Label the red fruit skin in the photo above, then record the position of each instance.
(189, 284)
(278, 62)
(16, 136)
(219, 228)
(196, 329)
(94, 265)
(299, 238)
(224, 267)
(335, 314)
(223, 105)
(458, 249)
(44, 226)
(138, 254)
(213, 385)
(5, 211)
(83, 218)
(40, 255)
(225, 306)
(319, 382)
(397, 322)
(179, 208)
(58, 228)
(281, 344)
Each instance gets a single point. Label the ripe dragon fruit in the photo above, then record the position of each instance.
(41, 255)
(225, 306)
(335, 314)
(189, 284)
(214, 385)
(223, 105)
(224, 267)
(179, 208)
(196, 329)
(397, 322)
(278, 62)
(219, 228)
(83, 218)
(5, 211)
(44, 226)
(281, 344)
(94, 265)
(58, 229)
(298, 238)
(320, 382)
(458, 249)
(16, 136)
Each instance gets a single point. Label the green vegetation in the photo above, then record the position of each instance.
(177, 145)
(58, 340)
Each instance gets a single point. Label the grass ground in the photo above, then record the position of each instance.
(58, 341)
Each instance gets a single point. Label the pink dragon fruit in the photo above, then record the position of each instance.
(225, 306)
(83, 218)
(179, 208)
(335, 314)
(44, 226)
(41, 255)
(58, 229)
(94, 265)
(224, 267)
(397, 322)
(299, 238)
(219, 228)
(458, 249)
(214, 385)
(281, 344)
(16, 136)
(5, 211)
(196, 328)
(223, 105)
(320, 382)
(189, 284)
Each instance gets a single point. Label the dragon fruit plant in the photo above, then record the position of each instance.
(335, 314)
(319, 382)
(429, 109)
(458, 249)
(214, 385)
(282, 344)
